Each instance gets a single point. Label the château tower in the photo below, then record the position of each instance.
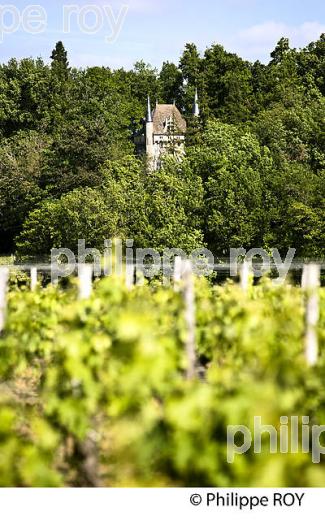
(163, 133)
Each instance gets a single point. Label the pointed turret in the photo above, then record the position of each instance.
(149, 113)
(149, 135)
(196, 109)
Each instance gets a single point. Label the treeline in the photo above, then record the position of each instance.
(253, 174)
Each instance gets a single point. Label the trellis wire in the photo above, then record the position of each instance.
(184, 279)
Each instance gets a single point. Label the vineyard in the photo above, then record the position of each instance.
(94, 391)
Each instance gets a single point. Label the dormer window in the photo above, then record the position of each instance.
(169, 125)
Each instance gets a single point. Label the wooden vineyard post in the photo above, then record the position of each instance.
(178, 264)
(129, 275)
(33, 278)
(245, 274)
(310, 283)
(189, 300)
(85, 275)
(4, 277)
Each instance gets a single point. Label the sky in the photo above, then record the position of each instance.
(117, 33)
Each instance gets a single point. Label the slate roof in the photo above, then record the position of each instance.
(161, 113)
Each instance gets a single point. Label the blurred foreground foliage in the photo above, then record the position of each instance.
(93, 393)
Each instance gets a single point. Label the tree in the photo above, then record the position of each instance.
(94, 128)
(231, 164)
(190, 64)
(294, 200)
(21, 161)
(125, 191)
(144, 82)
(60, 64)
(194, 130)
(160, 210)
(25, 94)
(171, 84)
(80, 214)
(257, 151)
(281, 50)
(115, 209)
(228, 85)
(311, 65)
(293, 133)
(175, 198)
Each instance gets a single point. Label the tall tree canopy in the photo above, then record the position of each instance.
(254, 168)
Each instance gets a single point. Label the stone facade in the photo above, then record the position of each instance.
(163, 133)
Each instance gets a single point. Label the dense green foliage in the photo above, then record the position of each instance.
(93, 392)
(254, 173)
